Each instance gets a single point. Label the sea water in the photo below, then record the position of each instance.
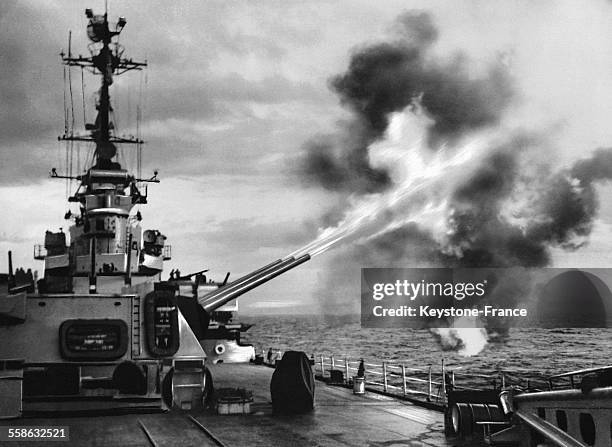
(522, 353)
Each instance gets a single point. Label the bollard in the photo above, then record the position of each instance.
(358, 385)
(359, 379)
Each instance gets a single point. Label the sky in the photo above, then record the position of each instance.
(235, 90)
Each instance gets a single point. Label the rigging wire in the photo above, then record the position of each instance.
(83, 95)
(66, 168)
(71, 101)
(84, 118)
(58, 152)
(90, 152)
(138, 125)
(65, 108)
(71, 161)
(144, 107)
(129, 107)
(70, 146)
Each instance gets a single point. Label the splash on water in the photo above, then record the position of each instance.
(467, 341)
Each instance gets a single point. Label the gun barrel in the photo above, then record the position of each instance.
(218, 298)
(238, 282)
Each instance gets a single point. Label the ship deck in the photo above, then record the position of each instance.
(340, 418)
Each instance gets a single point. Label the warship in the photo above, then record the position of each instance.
(103, 351)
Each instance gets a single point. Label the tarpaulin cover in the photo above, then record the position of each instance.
(292, 386)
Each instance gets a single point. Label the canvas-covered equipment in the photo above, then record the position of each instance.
(292, 386)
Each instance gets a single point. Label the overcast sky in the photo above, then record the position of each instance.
(235, 89)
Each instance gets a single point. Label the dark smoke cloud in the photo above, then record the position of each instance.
(561, 214)
(570, 204)
(480, 235)
(409, 244)
(340, 162)
(389, 77)
(559, 207)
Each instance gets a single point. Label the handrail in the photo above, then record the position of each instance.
(391, 376)
(395, 377)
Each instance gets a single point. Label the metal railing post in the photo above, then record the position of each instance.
(404, 379)
(429, 380)
(384, 370)
(333, 363)
(346, 368)
(322, 367)
(453, 378)
(443, 380)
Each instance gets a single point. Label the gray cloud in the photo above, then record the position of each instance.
(189, 81)
(26, 96)
(244, 235)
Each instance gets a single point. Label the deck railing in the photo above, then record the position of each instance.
(401, 378)
(391, 377)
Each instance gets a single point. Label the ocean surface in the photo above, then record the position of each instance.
(522, 353)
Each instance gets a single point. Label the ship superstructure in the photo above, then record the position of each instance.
(106, 241)
(101, 330)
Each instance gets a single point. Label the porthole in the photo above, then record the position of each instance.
(587, 428)
(561, 420)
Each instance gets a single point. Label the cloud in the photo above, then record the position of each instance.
(387, 77)
(209, 64)
(25, 95)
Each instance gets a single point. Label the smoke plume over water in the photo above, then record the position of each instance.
(388, 77)
(433, 174)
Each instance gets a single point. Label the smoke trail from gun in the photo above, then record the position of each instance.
(369, 216)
